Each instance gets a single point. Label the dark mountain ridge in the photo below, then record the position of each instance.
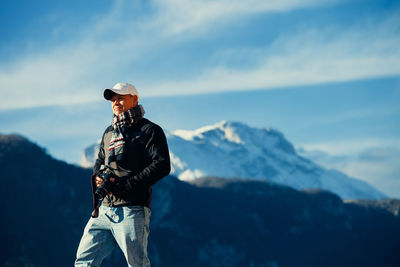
(210, 222)
(43, 199)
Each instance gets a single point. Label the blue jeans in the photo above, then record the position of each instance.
(127, 227)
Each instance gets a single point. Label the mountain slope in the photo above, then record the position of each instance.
(233, 149)
(43, 200)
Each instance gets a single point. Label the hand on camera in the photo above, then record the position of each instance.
(99, 180)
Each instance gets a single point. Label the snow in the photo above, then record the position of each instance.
(234, 149)
(89, 155)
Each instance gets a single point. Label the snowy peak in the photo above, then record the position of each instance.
(234, 149)
(231, 132)
(89, 155)
(222, 130)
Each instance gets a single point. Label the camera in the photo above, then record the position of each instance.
(107, 186)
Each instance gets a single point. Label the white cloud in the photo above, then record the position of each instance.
(56, 78)
(181, 16)
(307, 58)
(351, 147)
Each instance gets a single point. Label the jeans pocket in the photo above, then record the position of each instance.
(133, 211)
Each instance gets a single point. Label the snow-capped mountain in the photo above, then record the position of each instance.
(89, 155)
(234, 149)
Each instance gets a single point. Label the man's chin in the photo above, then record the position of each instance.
(117, 112)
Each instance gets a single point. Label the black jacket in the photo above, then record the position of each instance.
(146, 162)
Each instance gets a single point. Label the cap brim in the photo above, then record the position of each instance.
(108, 94)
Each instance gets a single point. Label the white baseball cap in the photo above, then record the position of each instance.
(121, 89)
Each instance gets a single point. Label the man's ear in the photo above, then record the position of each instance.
(135, 100)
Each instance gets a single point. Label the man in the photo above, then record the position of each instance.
(134, 155)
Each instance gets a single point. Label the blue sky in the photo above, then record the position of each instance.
(62, 52)
(325, 73)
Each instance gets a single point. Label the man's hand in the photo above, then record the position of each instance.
(99, 180)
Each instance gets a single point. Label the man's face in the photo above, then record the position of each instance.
(122, 103)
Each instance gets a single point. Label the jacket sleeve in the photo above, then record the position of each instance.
(156, 150)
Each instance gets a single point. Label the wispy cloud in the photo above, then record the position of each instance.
(310, 57)
(116, 45)
(351, 146)
(181, 16)
(373, 160)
